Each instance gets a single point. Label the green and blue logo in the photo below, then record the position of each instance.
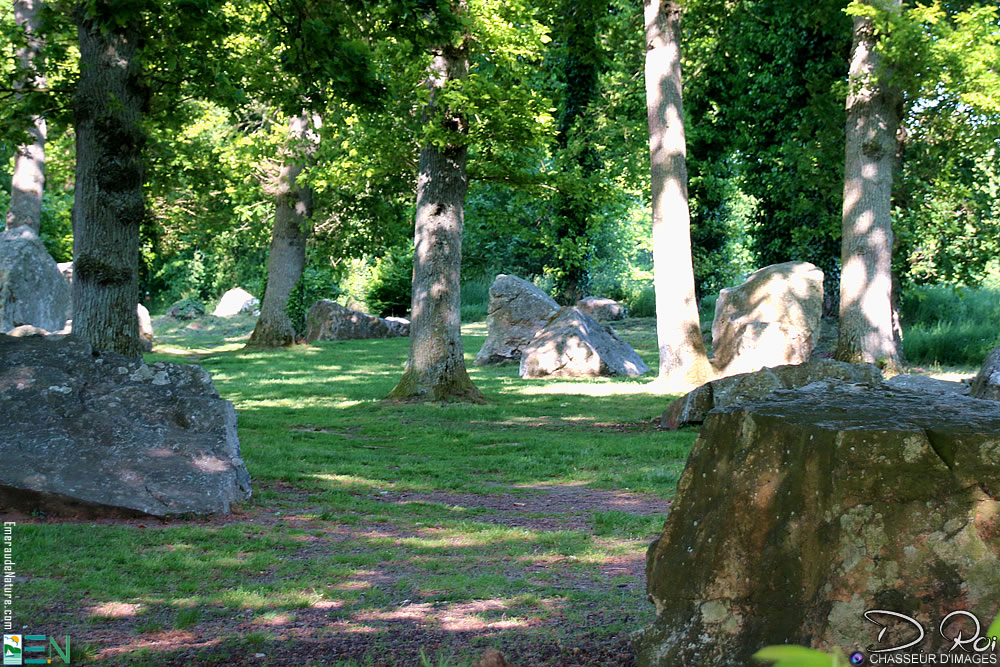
(16, 650)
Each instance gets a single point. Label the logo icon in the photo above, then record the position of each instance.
(857, 658)
(13, 650)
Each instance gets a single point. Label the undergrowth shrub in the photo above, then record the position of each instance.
(388, 293)
(315, 283)
(476, 299)
(950, 325)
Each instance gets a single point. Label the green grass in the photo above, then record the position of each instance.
(333, 539)
(950, 326)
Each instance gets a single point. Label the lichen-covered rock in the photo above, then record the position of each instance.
(328, 320)
(90, 433)
(692, 408)
(987, 383)
(146, 336)
(772, 319)
(797, 513)
(928, 385)
(32, 290)
(236, 301)
(573, 344)
(602, 309)
(400, 325)
(517, 310)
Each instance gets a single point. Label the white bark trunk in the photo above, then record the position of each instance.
(683, 360)
(873, 115)
(28, 180)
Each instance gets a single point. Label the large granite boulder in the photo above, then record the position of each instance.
(602, 309)
(32, 290)
(987, 383)
(517, 310)
(771, 319)
(236, 301)
(692, 408)
(88, 433)
(328, 320)
(798, 513)
(573, 344)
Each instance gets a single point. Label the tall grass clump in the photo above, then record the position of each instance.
(950, 325)
(476, 299)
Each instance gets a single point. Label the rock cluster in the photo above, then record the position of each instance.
(89, 433)
(797, 513)
(328, 320)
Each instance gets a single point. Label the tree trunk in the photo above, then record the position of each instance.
(287, 257)
(873, 115)
(683, 360)
(108, 206)
(28, 181)
(435, 369)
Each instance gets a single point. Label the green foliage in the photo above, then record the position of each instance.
(475, 299)
(187, 309)
(316, 282)
(642, 303)
(949, 325)
(389, 291)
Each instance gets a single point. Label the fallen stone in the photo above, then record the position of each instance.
(772, 319)
(145, 328)
(328, 320)
(93, 434)
(186, 309)
(517, 311)
(986, 384)
(927, 384)
(236, 301)
(693, 407)
(400, 325)
(32, 290)
(573, 344)
(602, 309)
(797, 513)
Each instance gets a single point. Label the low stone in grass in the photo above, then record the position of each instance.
(236, 301)
(601, 308)
(573, 344)
(186, 309)
(90, 434)
(328, 320)
(146, 336)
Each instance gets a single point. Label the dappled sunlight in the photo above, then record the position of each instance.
(456, 617)
(350, 481)
(591, 388)
(114, 610)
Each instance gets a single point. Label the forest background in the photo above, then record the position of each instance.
(559, 162)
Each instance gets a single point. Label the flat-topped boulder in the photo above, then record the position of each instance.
(32, 289)
(986, 384)
(601, 308)
(772, 319)
(328, 320)
(92, 434)
(696, 404)
(573, 344)
(517, 310)
(797, 513)
(236, 301)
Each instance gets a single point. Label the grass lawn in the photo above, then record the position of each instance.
(378, 533)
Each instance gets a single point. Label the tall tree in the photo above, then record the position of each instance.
(28, 180)
(683, 359)
(435, 369)
(874, 109)
(288, 237)
(109, 207)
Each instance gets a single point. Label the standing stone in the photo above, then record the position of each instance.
(771, 319)
(602, 309)
(96, 433)
(328, 320)
(236, 301)
(573, 344)
(32, 290)
(145, 328)
(517, 311)
(797, 513)
(987, 383)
